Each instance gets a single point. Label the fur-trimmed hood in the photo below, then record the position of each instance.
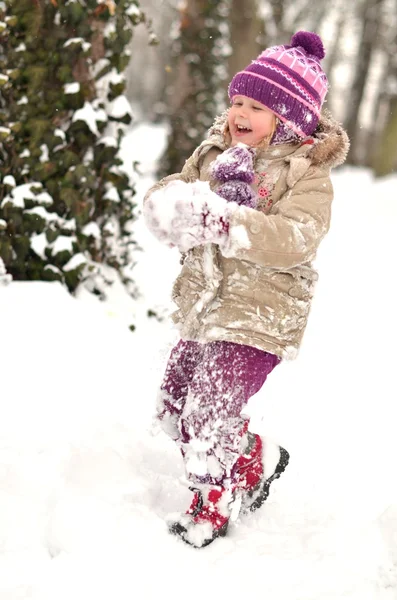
(328, 146)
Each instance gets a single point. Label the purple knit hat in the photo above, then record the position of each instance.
(289, 80)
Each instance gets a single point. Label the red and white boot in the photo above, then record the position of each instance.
(206, 519)
(262, 462)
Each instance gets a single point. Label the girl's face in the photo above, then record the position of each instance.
(249, 121)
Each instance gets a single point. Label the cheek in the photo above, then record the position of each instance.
(231, 116)
(266, 124)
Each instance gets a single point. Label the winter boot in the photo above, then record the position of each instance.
(261, 463)
(206, 519)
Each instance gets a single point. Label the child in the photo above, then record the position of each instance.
(248, 210)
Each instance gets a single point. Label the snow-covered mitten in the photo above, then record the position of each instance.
(239, 192)
(188, 215)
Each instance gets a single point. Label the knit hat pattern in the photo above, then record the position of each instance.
(288, 80)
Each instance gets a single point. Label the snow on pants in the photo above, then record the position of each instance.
(204, 390)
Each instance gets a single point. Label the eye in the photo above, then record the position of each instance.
(237, 103)
(257, 108)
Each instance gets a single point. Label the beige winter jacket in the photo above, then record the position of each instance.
(258, 292)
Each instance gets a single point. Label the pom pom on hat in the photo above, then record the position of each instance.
(310, 42)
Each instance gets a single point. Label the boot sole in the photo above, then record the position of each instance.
(180, 531)
(264, 488)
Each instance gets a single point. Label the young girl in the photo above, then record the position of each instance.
(248, 212)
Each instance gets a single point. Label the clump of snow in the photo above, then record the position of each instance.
(133, 11)
(44, 153)
(174, 214)
(90, 116)
(63, 243)
(72, 88)
(5, 278)
(39, 243)
(100, 64)
(78, 41)
(115, 77)
(9, 180)
(108, 140)
(60, 133)
(119, 107)
(44, 214)
(69, 225)
(53, 269)
(76, 261)
(4, 131)
(112, 195)
(110, 29)
(92, 229)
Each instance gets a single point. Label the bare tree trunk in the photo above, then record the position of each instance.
(385, 161)
(278, 9)
(246, 31)
(385, 155)
(197, 88)
(333, 57)
(370, 15)
(317, 14)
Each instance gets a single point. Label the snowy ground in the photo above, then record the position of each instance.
(86, 480)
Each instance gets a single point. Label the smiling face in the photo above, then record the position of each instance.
(250, 121)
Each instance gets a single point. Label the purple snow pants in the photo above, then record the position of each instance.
(204, 390)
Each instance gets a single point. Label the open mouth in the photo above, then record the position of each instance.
(242, 129)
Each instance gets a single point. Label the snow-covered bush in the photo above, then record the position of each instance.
(4, 278)
(66, 203)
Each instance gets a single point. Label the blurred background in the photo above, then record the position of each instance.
(202, 43)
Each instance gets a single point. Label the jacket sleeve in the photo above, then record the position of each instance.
(291, 235)
(189, 173)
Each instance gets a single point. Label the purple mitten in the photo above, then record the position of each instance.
(239, 192)
(235, 163)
